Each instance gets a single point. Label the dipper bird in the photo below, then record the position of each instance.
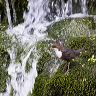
(65, 53)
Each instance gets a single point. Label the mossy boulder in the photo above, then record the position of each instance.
(80, 81)
(39, 85)
(72, 28)
(4, 63)
(81, 77)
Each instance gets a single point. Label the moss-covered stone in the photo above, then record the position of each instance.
(39, 85)
(43, 50)
(4, 58)
(72, 27)
(80, 81)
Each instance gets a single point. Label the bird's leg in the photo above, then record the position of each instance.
(68, 67)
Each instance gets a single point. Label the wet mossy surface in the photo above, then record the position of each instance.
(72, 27)
(4, 58)
(39, 85)
(80, 81)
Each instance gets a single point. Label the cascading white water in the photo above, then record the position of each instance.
(83, 6)
(29, 33)
(14, 11)
(8, 14)
(68, 5)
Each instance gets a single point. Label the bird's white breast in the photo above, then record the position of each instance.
(58, 53)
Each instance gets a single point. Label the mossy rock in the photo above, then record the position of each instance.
(4, 57)
(77, 83)
(39, 85)
(72, 28)
(81, 78)
(3, 79)
(88, 43)
(80, 81)
(4, 63)
(47, 60)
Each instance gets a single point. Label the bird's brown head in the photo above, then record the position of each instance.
(58, 45)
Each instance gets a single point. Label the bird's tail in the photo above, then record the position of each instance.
(77, 52)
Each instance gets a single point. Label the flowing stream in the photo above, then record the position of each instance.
(28, 34)
(8, 14)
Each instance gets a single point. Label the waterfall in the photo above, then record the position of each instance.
(28, 34)
(68, 8)
(8, 14)
(83, 6)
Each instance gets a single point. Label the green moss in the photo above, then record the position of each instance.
(3, 78)
(80, 81)
(45, 56)
(77, 83)
(89, 44)
(81, 78)
(42, 61)
(72, 28)
(39, 85)
(43, 47)
(4, 58)
(4, 63)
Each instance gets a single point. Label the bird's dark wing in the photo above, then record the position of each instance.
(68, 54)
